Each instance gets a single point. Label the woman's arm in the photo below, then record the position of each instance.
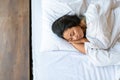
(83, 40)
(101, 57)
(80, 47)
(79, 44)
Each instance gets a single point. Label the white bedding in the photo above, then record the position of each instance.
(61, 62)
(102, 22)
(68, 65)
(103, 32)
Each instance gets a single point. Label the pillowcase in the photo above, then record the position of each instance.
(52, 10)
(79, 6)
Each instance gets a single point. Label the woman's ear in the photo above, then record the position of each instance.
(82, 23)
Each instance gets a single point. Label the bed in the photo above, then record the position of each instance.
(53, 57)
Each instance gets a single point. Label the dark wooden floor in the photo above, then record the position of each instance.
(14, 40)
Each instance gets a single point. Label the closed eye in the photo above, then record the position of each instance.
(71, 34)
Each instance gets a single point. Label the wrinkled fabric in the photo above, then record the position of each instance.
(103, 32)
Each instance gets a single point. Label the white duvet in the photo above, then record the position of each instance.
(102, 17)
(103, 32)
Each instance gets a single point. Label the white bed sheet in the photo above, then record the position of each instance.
(68, 65)
(63, 65)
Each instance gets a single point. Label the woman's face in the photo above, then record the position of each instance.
(73, 34)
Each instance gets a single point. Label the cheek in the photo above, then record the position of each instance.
(80, 31)
(66, 37)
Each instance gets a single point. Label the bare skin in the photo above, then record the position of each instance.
(80, 47)
(79, 44)
(83, 40)
(75, 36)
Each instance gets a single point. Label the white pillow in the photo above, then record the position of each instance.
(52, 10)
(79, 6)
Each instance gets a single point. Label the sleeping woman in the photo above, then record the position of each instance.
(72, 29)
(91, 33)
(91, 26)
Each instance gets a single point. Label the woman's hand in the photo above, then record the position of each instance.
(83, 40)
(79, 44)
